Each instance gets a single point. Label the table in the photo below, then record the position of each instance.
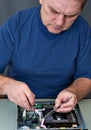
(8, 114)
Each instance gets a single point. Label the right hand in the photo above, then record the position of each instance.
(19, 93)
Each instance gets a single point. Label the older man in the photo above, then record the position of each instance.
(48, 50)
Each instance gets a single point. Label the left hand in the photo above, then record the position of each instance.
(65, 101)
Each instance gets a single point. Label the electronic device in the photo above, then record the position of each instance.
(37, 119)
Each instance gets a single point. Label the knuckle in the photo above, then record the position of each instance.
(24, 100)
(33, 95)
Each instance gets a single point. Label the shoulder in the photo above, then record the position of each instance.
(81, 24)
(27, 12)
(83, 30)
(21, 16)
(19, 21)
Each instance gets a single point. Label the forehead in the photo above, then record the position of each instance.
(62, 1)
(64, 5)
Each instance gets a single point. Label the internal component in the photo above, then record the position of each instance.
(35, 119)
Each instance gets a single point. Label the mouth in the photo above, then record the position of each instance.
(58, 27)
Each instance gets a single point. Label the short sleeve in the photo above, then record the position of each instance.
(83, 61)
(7, 40)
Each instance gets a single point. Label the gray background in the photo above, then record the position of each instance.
(8, 7)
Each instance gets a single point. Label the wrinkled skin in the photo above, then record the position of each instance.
(59, 15)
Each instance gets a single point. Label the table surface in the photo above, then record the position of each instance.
(8, 114)
(85, 106)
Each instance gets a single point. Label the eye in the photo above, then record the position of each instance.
(72, 16)
(53, 11)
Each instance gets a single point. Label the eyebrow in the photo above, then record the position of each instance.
(53, 9)
(64, 14)
(72, 15)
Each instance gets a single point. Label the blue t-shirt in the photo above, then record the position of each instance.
(46, 62)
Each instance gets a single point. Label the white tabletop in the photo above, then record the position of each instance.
(85, 106)
(8, 115)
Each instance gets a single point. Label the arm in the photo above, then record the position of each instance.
(81, 85)
(77, 90)
(17, 92)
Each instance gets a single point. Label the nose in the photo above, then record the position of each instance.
(59, 20)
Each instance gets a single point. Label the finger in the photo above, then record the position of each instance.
(22, 101)
(67, 99)
(60, 100)
(66, 107)
(65, 110)
(57, 103)
(30, 96)
(70, 101)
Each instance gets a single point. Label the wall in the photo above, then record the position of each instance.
(8, 7)
(86, 12)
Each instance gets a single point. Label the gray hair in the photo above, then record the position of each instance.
(84, 2)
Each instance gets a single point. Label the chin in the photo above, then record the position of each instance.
(54, 31)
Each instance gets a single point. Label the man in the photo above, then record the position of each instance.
(48, 49)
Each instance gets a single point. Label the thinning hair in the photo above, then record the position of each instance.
(83, 3)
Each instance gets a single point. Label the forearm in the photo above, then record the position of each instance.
(80, 87)
(4, 82)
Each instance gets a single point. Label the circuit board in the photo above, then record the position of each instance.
(35, 119)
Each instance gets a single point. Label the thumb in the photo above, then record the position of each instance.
(57, 103)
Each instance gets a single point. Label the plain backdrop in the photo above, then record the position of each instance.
(8, 7)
